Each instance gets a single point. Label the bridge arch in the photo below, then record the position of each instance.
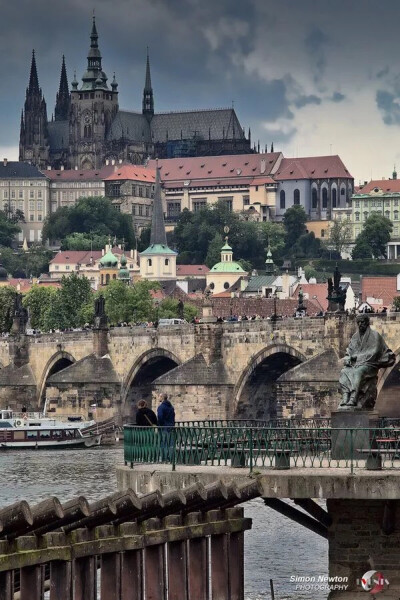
(59, 361)
(255, 392)
(144, 371)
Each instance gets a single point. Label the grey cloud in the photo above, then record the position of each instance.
(337, 97)
(382, 72)
(389, 107)
(315, 44)
(304, 100)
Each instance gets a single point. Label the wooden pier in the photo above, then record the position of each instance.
(181, 545)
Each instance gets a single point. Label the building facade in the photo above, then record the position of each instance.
(23, 187)
(88, 126)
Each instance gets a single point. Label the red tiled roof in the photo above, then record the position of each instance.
(312, 167)
(216, 167)
(384, 288)
(132, 172)
(79, 175)
(66, 257)
(191, 270)
(314, 289)
(386, 185)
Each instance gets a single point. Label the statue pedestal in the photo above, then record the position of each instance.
(346, 443)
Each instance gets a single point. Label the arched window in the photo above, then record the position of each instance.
(283, 199)
(365, 215)
(149, 262)
(314, 198)
(212, 286)
(107, 279)
(334, 195)
(166, 262)
(324, 198)
(387, 214)
(296, 196)
(226, 285)
(342, 191)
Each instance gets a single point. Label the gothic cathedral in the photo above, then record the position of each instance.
(88, 127)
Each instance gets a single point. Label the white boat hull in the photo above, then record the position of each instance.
(83, 442)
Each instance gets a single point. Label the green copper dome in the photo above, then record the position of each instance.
(109, 260)
(227, 267)
(123, 261)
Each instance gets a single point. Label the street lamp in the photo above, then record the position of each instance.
(321, 307)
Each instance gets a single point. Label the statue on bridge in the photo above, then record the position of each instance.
(100, 317)
(365, 355)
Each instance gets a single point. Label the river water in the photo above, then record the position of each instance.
(275, 548)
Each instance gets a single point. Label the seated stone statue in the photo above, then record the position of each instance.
(365, 355)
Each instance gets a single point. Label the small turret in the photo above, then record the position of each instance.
(394, 175)
(63, 99)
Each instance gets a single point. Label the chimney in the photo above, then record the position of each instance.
(62, 168)
(76, 167)
(120, 161)
(262, 166)
(115, 167)
(5, 161)
(113, 162)
(398, 282)
(107, 162)
(49, 167)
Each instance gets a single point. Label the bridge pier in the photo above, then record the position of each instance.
(362, 524)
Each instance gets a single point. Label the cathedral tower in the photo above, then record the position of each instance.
(63, 99)
(148, 100)
(34, 143)
(93, 107)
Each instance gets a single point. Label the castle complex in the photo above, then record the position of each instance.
(88, 127)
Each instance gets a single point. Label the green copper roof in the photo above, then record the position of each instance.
(109, 260)
(123, 261)
(226, 247)
(123, 274)
(227, 267)
(158, 249)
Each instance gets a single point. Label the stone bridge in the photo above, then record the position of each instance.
(250, 369)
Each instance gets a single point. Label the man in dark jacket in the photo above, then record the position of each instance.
(166, 412)
(145, 417)
(166, 420)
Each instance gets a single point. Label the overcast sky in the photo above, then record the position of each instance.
(313, 76)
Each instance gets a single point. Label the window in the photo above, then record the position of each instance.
(282, 197)
(31, 217)
(246, 199)
(39, 217)
(334, 200)
(365, 215)
(39, 194)
(12, 193)
(67, 267)
(114, 190)
(199, 204)
(357, 204)
(140, 191)
(150, 262)
(296, 196)
(314, 199)
(396, 215)
(357, 215)
(21, 205)
(140, 207)
(40, 205)
(322, 232)
(342, 192)
(5, 194)
(31, 205)
(31, 194)
(134, 209)
(324, 198)
(173, 209)
(387, 214)
(212, 286)
(21, 194)
(226, 285)
(166, 262)
(396, 202)
(147, 210)
(228, 201)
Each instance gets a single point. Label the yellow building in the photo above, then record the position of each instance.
(225, 273)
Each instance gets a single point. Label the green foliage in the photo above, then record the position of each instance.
(273, 234)
(376, 234)
(214, 250)
(340, 236)
(117, 296)
(361, 249)
(84, 241)
(358, 267)
(310, 272)
(142, 302)
(8, 228)
(7, 299)
(245, 264)
(26, 264)
(38, 301)
(306, 245)
(94, 216)
(168, 309)
(294, 222)
(396, 303)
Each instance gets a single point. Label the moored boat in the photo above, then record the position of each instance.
(32, 430)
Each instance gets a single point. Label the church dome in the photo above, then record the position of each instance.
(227, 267)
(109, 260)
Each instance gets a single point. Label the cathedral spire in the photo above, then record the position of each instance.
(94, 77)
(33, 87)
(158, 235)
(62, 98)
(148, 100)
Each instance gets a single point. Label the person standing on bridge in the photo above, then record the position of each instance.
(145, 417)
(166, 420)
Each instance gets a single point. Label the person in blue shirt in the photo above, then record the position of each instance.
(166, 420)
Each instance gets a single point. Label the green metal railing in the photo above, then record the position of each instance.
(263, 447)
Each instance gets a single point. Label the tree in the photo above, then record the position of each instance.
(94, 216)
(361, 250)
(376, 233)
(118, 303)
(214, 251)
(38, 300)
(273, 235)
(7, 300)
(75, 292)
(294, 222)
(340, 236)
(8, 230)
(84, 241)
(141, 301)
(168, 309)
(396, 303)
(25, 264)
